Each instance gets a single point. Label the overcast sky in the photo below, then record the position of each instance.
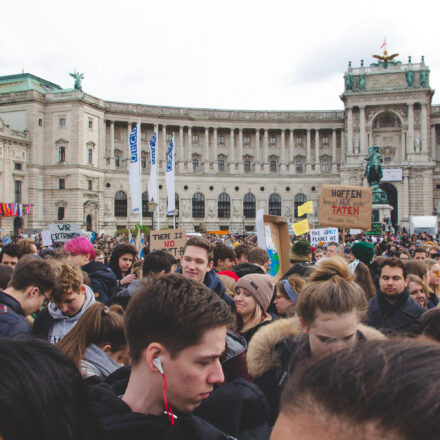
(239, 54)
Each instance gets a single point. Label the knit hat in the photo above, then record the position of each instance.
(300, 251)
(363, 251)
(260, 286)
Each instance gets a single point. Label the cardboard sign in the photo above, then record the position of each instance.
(273, 235)
(376, 229)
(345, 206)
(63, 231)
(171, 240)
(325, 234)
(46, 238)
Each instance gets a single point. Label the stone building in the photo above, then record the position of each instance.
(229, 163)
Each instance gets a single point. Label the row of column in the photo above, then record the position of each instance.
(235, 155)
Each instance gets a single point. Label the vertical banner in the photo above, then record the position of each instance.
(134, 172)
(170, 178)
(152, 182)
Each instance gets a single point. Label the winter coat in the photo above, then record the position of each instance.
(239, 406)
(103, 280)
(12, 319)
(214, 283)
(234, 362)
(246, 268)
(251, 332)
(53, 325)
(277, 349)
(96, 362)
(400, 320)
(123, 297)
(433, 300)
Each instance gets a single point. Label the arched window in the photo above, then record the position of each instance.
(198, 205)
(274, 204)
(120, 204)
(387, 121)
(249, 205)
(145, 208)
(298, 201)
(224, 206)
(89, 222)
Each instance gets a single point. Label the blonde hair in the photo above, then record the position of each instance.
(68, 278)
(229, 283)
(429, 263)
(330, 289)
(25, 245)
(415, 279)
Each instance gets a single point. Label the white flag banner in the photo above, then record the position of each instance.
(170, 178)
(134, 172)
(152, 182)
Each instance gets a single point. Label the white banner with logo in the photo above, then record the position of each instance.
(134, 171)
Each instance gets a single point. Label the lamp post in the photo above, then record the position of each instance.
(175, 212)
(152, 207)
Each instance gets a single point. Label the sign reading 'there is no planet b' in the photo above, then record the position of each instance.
(345, 206)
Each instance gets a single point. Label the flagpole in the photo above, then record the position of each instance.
(158, 180)
(139, 135)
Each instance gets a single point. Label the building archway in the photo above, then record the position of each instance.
(391, 192)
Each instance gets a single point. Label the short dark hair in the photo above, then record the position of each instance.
(333, 243)
(5, 275)
(258, 256)
(12, 250)
(201, 243)
(421, 249)
(158, 261)
(391, 386)
(429, 324)
(33, 271)
(415, 267)
(222, 252)
(175, 311)
(394, 262)
(242, 249)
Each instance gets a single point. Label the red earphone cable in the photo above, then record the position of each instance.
(168, 408)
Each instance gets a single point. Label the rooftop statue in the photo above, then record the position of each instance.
(385, 59)
(374, 174)
(78, 78)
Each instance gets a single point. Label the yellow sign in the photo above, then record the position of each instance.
(301, 227)
(305, 208)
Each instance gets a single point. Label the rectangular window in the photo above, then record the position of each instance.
(91, 123)
(299, 140)
(61, 184)
(18, 166)
(61, 213)
(273, 140)
(273, 166)
(221, 139)
(195, 165)
(90, 153)
(325, 140)
(325, 166)
(117, 161)
(62, 122)
(18, 191)
(247, 140)
(387, 159)
(40, 122)
(90, 185)
(298, 166)
(221, 165)
(195, 138)
(144, 161)
(62, 154)
(247, 166)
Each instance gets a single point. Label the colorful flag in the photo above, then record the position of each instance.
(301, 227)
(170, 179)
(152, 182)
(305, 208)
(134, 172)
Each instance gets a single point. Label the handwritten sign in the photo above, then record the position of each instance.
(171, 240)
(345, 206)
(63, 231)
(46, 238)
(325, 234)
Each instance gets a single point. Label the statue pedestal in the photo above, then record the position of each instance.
(380, 211)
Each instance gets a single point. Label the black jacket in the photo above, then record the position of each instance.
(103, 280)
(399, 321)
(43, 324)
(239, 407)
(12, 319)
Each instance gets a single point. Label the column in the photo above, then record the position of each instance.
(308, 152)
(433, 146)
(424, 139)
(334, 160)
(214, 146)
(180, 151)
(350, 131)
(427, 193)
(257, 146)
(164, 147)
(404, 135)
(405, 194)
(362, 130)
(317, 162)
(410, 138)
(265, 150)
(231, 151)
(291, 146)
(283, 152)
(343, 149)
(189, 147)
(370, 139)
(112, 138)
(206, 152)
(240, 145)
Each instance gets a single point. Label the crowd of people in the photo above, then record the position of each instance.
(345, 344)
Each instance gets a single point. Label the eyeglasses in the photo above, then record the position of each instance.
(46, 299)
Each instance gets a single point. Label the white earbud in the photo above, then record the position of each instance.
(158, 364)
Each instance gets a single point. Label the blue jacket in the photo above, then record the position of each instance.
(12, 319)
(103, 280)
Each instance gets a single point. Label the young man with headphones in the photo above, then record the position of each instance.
(176, 331)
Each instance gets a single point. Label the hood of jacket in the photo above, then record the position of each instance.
(99, 360)
(114, 262)
(235, 345)
(97, 268)
(63, 324)
(262, 354)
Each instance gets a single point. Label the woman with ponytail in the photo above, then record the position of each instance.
(97, 343)
(329, 312)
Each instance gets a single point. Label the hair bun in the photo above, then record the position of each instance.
(329, 268)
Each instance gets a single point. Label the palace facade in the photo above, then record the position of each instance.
(66, 152)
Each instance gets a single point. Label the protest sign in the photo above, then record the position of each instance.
(345, 206)
(45, 238)
(63, 231)
(325, 234)
(171, 240)
(376, 229)
(301, 227)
